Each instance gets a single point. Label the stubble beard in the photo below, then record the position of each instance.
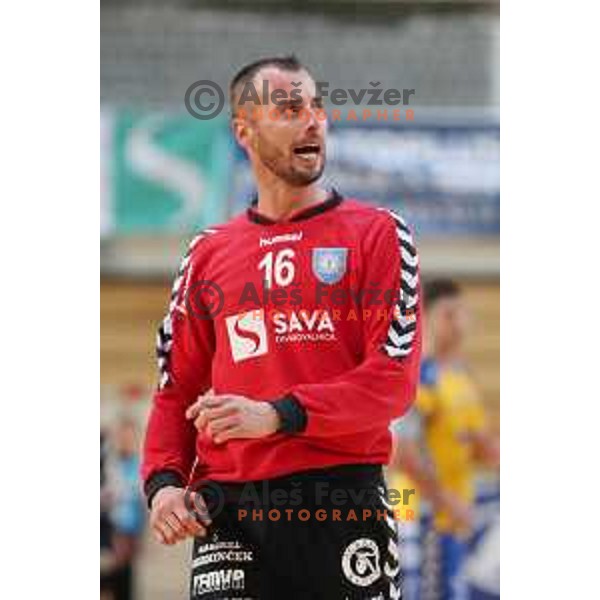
(274, 161)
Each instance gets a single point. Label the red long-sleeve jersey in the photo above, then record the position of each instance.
(319, 314)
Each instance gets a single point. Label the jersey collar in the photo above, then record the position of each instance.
(334, 199)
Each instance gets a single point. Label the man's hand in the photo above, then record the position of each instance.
(227, 417)
(172, 521)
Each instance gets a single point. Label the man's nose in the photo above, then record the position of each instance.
(314, 118)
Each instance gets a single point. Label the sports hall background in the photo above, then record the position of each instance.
(165, 174)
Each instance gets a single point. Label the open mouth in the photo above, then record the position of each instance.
(308, 151)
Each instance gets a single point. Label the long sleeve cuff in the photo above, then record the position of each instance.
(292, 415)
(159, 480)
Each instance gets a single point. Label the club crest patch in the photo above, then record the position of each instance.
(360, 562)
(329, 264)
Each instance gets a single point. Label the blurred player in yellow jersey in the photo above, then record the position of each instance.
(442, 442)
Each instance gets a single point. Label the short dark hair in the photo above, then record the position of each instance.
(247, 73)
(437, 289)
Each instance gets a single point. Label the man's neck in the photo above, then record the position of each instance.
(277, 200)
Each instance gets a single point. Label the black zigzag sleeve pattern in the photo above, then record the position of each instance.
(401, 334)
(164, 337)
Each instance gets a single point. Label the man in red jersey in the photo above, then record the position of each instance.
(291, 342)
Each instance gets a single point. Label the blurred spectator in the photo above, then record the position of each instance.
(122, 512)
(107, 557)
(441, 450)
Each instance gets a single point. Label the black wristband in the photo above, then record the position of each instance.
(159, 480)
(292, 415)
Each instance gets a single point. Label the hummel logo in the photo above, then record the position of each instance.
(286, 237)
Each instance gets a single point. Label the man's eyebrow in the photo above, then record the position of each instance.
(290, 102)
(300, 100)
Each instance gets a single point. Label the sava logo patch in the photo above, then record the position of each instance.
(360, 562)
(247, 335)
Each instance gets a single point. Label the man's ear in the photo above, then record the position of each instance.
(242, 132)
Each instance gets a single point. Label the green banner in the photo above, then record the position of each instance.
(162, 173)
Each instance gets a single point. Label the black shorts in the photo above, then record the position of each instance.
(324, 534)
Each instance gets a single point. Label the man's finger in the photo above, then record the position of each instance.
(223, 423)
(190, 523)
(215, 401)
(205, 402)
(194, 410)
(235, 432)
(163, 532)
(207, 412)
(220, 411)
(212, 414)
(202, 421)
(173, 522)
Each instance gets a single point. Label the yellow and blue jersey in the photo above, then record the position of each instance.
(451, 412)
(409, 506)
